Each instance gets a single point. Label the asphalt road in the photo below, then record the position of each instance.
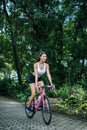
(13, 117)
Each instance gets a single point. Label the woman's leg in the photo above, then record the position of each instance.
(40, 83)
(33, 93)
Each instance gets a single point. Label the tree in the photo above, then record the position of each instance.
(12, 41)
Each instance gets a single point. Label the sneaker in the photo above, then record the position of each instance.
(28, 109)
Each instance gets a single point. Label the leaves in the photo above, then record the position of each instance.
(57, 27)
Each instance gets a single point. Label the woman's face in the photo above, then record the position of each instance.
(43, 57)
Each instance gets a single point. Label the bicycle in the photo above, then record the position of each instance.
(43, 103)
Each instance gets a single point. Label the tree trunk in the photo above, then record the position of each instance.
(13, 44)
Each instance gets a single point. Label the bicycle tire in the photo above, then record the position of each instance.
(29, 114)
(46, 110)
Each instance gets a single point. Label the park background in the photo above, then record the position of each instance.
(58, 27)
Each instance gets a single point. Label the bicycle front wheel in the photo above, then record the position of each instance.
(29, 114)
(46, 110)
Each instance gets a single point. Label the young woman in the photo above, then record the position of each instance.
(40, 68)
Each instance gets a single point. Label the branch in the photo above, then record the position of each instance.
(5, 11)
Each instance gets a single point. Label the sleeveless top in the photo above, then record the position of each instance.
(41, 71)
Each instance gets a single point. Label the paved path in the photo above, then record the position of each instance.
(13, 117)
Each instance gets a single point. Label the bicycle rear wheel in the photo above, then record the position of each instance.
(29, 114)
(46, 110)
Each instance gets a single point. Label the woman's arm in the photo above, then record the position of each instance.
(48, 74)
(35, 73)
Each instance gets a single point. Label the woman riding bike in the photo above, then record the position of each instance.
(35, 78)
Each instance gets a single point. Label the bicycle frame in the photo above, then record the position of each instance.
(40, 101)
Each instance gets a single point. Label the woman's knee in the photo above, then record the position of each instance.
(40, 83)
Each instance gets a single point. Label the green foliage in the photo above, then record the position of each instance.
(5, 84)
(79, 92)
(83, 83)
(64, 91)
(52, 93)
(74, 96)
(83, 107)
(20, 96)
(76, 101)
(10, 88)
(73, 101)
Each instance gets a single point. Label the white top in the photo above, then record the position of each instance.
(41, 71)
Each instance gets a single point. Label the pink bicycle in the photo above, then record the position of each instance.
(43, 104)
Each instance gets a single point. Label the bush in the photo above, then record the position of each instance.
(79, 92)
(4, 86)
(64, 92)
(52, 93)
(20, 96)
(84, 107)
(83, 83)
(76, 97)
(9, 87)
(73, 101)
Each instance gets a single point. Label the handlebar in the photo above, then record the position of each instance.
(48, 86)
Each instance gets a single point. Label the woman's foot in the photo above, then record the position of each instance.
(28, 109)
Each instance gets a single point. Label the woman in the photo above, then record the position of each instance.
(40, 67)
